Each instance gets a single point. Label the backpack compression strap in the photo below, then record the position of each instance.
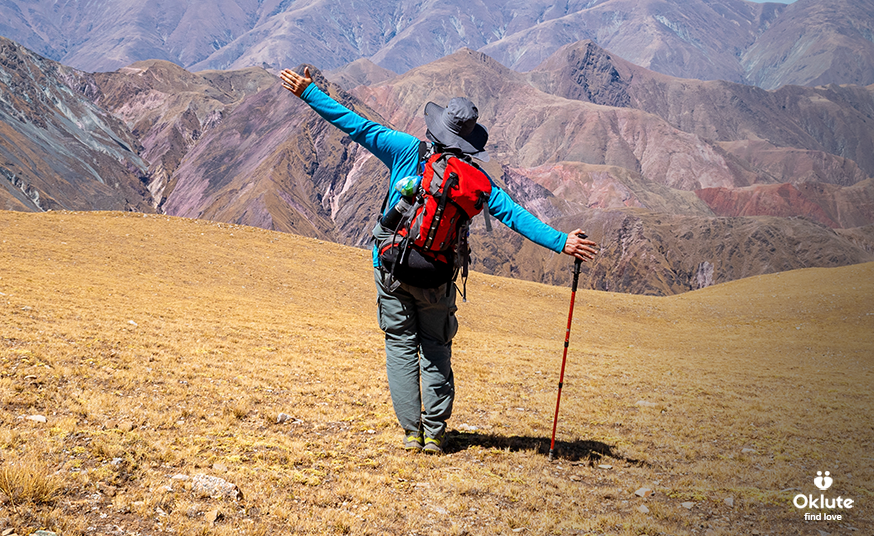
(441, 207)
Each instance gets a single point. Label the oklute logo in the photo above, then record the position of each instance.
(823, 482)
(810, 502)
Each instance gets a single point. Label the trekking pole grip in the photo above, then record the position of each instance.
(578, 263)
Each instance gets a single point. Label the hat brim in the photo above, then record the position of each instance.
(473, 144)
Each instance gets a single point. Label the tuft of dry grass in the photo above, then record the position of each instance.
(29, 481)
(161, 348)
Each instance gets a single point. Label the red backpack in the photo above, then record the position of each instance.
(428, 245)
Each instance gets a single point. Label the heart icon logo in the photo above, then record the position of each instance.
(823, 482)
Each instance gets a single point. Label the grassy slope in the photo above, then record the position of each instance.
(171, 345)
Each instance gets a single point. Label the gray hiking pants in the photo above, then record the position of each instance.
(419, 325)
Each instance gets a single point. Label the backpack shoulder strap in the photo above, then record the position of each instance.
(424, 153)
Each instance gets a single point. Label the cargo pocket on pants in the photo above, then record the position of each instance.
(451, 327)
(379, 314)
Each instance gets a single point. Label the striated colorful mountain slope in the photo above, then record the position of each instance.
(661, 254)
(57, 149)
(828, 204)
(170, 109)
(273, 163)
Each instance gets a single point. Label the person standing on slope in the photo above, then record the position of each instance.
(419, 323)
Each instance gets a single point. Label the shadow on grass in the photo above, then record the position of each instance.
(579, 450)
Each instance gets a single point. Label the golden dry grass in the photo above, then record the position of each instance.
(158, 346)
(28, 481)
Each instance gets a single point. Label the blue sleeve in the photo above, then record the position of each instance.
(390, 146)
(511, 214)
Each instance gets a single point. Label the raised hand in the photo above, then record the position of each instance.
(294, 82)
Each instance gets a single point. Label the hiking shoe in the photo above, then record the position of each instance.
(433, 445)
(413, 440)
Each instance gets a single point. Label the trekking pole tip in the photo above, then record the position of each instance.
(550, 454)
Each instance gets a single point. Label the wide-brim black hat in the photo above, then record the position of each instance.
(455, 127)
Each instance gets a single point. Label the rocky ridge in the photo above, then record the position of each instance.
(808, 42)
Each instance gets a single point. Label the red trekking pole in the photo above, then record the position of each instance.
(577, 264)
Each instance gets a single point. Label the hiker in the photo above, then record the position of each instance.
(419, 322)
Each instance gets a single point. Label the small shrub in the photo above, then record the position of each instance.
(239, 409)
(29, 482)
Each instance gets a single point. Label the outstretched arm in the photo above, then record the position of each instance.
(390, 146)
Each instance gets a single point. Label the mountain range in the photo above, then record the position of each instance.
(808, 42)
(684, 183)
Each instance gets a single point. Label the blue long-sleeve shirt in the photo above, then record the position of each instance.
(400, 152)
